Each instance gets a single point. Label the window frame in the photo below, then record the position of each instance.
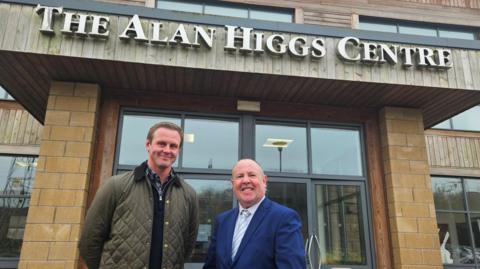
(12, 262)
(247, 138)
(436, 26)
(182, 115)
(247, 7)
(467, 212)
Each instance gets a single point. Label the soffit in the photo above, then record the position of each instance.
(28, 76)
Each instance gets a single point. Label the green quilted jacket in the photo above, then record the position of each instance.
(118, 225)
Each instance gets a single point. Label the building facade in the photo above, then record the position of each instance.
(333, 98)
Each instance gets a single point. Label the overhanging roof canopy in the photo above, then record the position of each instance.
(37, 48)
(28, 76)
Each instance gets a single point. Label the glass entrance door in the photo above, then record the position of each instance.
(338, 237)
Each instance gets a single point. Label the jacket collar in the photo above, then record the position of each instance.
(139, 174)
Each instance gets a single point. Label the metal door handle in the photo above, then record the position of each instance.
(307, 256)
(308, 248)
(317, 242)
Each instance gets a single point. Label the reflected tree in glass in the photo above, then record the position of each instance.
(473, 194)
(475, 221)
(16, 179)
(454, 228)
(448, 193)
(214, 197)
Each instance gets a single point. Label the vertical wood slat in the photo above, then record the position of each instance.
(453, 151)
(17, 126)
(11, 31)
(3, 122)
(23, 34)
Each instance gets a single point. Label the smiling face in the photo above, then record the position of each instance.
(248, 182)
(163, 148)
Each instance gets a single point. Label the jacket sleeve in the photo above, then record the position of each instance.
(289, 247)
(193, 226)
(97, 224)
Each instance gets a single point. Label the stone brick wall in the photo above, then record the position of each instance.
(59, 196)
(411, 208)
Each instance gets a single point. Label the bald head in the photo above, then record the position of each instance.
(248, 162)
(249, 183)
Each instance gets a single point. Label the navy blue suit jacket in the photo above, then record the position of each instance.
(273, 239)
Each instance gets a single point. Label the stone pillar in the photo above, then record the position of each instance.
(411, 210)
(57, 205)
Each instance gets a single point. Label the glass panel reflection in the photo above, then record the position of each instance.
(211, 144)
(454, 238)
(13, 215)
(16, 175)
(281, 148)
(336, 152)
(340, 226)
(381, 27)
(134, 133)
(467, 120)
(270, 16)
(16, 178)
(180, 6)
(475, 218)
(456, 34)
(448, 193)
(226, 11)
(473, 194)
(414, 30)
(443, 125)
(293, 195)
(214, 197)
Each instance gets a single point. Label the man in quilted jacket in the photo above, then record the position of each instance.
(146, 218)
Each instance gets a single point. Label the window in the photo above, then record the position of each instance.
(315, 168)
(16, 178)
(417, 28)
(465, 121)
(4, 94)
(209, 143)
(340, 224)
(228, 10)
(457, 205)
(336, 151)
(281, 148)
(214, 197)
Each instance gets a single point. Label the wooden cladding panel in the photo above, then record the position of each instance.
(462, 76)
(327, 18)
(449, 3)
(451, 151)
(18, 127)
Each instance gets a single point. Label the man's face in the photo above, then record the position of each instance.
(164, 147)
(248, 183)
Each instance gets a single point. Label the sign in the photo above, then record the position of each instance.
(246, 40)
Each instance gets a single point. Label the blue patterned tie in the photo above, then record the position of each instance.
(240, 230)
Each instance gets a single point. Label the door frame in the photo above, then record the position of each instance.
(365, 214)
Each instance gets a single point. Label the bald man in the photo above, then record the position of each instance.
(259, 233)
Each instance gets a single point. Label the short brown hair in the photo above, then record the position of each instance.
(166, 125)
